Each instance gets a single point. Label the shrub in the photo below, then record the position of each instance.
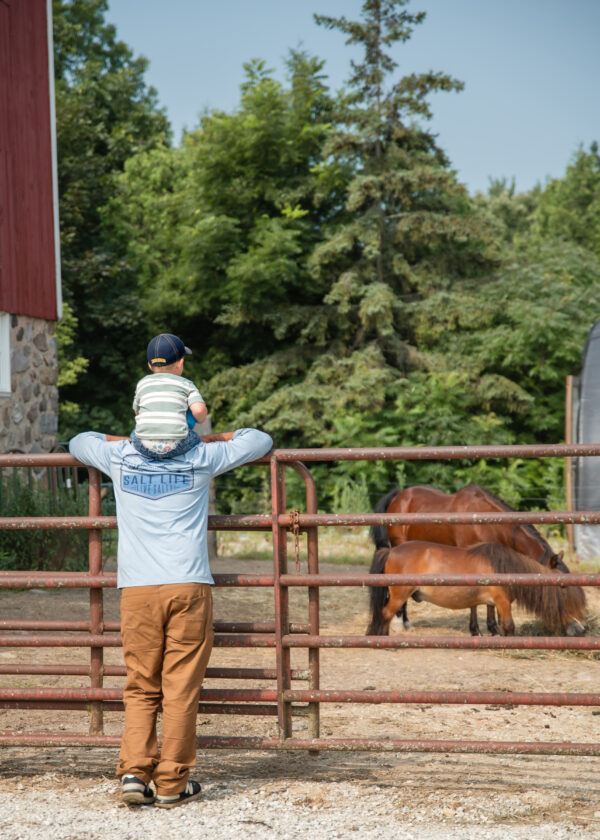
(56, 550)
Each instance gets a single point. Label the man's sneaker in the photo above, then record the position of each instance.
(136, 792)
(192, 791)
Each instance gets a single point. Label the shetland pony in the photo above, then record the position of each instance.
(523, 538)
(559, 608)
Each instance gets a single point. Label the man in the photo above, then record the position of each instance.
(166, 599)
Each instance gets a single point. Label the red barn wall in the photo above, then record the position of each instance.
(28, 282)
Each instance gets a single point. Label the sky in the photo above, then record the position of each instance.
(531, 69)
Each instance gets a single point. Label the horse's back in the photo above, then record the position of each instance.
(420, 499)
(476, 498)
(426, 557)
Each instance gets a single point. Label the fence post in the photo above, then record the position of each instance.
(282, 619)
(205, 428)
(312, 550)
(96, 602)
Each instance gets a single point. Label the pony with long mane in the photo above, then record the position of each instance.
(559, 608)
(523, 538)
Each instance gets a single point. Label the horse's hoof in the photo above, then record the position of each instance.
(407, 625)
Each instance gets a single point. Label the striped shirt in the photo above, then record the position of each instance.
(161, 401)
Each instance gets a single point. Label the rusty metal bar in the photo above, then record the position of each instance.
(451, 642)
(120, 671)
(29, 625)
(231, 522)
(48, 523)
(301, 641)
(83, 580)
(91, 694)
(392, 453)
(249, 709)
(497, 579)
(475, 698)
(312, 550)
(436, 453)
(56, 580)
(282, 654)
(264, 523)
(51, 523)
(106, 640)
(73, 739)
(465, 518)
(115, 626)
(60, 640)
(96, 602)
(61, 670)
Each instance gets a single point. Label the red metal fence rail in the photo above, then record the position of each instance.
(281, 635)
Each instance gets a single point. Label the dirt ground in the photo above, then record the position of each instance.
(554, 790)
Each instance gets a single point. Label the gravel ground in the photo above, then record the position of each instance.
(289, 796)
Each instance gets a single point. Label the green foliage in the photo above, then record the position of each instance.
(39, 549)
(518, 335)
(569, 207)
(105, 114)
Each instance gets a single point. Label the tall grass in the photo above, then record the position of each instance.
(41, 549)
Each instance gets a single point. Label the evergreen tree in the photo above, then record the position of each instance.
(404, 227)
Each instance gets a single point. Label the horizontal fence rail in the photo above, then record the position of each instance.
(281, 635)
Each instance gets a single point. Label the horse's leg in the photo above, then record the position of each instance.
(404, 616)
(502, 602)
(473, 623)
(492, 624)
(397, 600)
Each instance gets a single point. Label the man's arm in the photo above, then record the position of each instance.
(92, 448)
(235, 448)
(217, 436)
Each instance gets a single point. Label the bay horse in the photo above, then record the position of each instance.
(559, 609)
(473, 498)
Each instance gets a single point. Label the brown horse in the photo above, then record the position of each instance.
(475, 499)
(560, 609)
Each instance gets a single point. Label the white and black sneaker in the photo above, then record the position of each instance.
(136, 792)
(192, 791)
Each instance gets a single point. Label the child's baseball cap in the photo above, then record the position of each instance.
(166, 349)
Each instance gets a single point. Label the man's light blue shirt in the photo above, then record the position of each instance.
(162, 506)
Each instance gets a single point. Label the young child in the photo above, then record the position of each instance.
(167, 406)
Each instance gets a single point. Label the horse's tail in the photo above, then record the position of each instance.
(557, 606)
(379, 533)
(379, 595)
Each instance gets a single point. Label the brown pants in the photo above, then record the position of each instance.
(167, 640)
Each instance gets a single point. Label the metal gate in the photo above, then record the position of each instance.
(281, 635)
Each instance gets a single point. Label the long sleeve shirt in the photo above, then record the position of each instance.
(162, 506)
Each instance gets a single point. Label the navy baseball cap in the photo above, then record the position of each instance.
(166, 349)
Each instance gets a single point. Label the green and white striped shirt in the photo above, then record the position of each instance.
(161, 401)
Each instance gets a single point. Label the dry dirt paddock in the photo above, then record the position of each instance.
(71, 794)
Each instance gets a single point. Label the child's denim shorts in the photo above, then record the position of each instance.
(180, 448)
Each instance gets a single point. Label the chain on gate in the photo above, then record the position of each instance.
(295, 514)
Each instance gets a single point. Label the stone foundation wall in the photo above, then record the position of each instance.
(30, 413)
